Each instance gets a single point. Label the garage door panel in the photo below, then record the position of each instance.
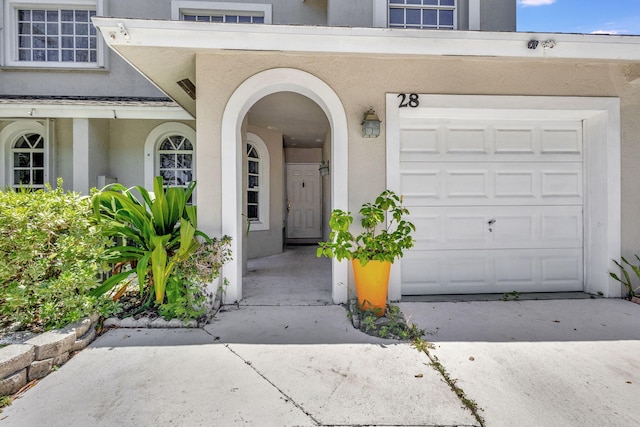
(497, 203)
(472, 140)
(491, 183)
(459, 272)
(497, 227)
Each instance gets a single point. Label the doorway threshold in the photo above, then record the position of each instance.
(511, 296)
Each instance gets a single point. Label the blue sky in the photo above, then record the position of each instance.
(580, 16)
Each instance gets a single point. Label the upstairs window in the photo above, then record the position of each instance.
(56, 35)
(232, 18)
(229, 12)
(423, 14)
(42, 34)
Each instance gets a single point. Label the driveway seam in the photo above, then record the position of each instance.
(286, 396)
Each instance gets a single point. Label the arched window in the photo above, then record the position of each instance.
(25, 154)
(28, 165)
(253, 183)
(257, 163)
(174, 157)
(169, 151)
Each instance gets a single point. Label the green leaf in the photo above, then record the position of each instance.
(110, 283)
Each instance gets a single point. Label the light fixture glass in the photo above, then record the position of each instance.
(370, 124)
(324, 168)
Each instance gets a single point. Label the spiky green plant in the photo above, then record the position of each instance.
(158, 231)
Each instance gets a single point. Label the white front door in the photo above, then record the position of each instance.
(497, 204)
(303, 205)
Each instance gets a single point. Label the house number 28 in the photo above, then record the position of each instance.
(409, 100)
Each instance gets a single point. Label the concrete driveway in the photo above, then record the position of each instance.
(529, 363)
(541, 363)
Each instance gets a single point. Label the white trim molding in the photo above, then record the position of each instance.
(474, 15)
(601, 128)
(247, 94)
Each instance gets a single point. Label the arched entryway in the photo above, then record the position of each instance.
(247, 94)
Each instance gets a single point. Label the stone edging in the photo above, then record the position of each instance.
(146, 322)
(36, 357)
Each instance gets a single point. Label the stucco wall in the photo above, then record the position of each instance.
(630, 223)
(303, 155)
(63, 130)
(126, 149)
(326, 188)
(497, 15)
(352, 13)
(98, 150)
(269, 242)
(367, 175)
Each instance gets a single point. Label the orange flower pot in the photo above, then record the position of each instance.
(372, 284)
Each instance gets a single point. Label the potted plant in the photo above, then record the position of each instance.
(373, 250)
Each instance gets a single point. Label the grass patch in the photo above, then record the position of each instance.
(5, 401)
(425, 347)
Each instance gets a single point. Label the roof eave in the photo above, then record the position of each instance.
(378, 41)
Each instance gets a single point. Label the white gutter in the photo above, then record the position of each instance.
(27, 109)
(368, 41)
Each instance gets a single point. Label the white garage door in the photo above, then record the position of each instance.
(498, 203)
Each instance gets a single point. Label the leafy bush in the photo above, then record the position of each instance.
(161, 243)
(50, 251)
(384, 244)
(186, 296)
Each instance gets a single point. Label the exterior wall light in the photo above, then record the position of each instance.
(324, 168)
(370, 124)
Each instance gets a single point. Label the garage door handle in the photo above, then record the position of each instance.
(491, 222)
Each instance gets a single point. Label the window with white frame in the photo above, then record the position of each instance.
(253, 183)
(28, 162)
(26, 155)
(174, 156)
(52, 34)
(423, 14)
(236, 13)
(257, 182)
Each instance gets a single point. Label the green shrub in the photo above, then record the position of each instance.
(186, 287)
(162, 248)
(50, 249)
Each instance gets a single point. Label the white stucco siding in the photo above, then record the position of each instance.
(367, 157)
(126, 149)
(267, 242)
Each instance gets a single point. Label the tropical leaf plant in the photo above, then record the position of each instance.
(625, 277)
(376, 241)
(157, 229)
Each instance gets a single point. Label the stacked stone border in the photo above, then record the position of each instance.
(37, 357)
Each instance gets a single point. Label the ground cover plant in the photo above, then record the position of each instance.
(625, 277)
(160, 248)
(50, 258)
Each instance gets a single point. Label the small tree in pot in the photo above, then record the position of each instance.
(373, 250)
